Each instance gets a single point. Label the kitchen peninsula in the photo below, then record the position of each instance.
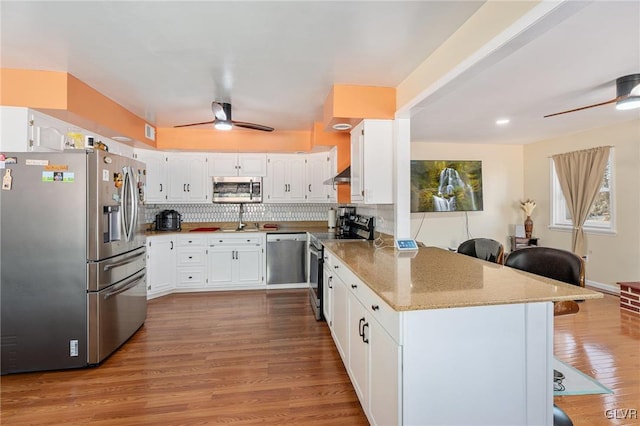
(433, 337)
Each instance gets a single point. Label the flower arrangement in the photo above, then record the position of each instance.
(527, 206)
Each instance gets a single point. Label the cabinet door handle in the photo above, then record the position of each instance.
(184, 187)
(188, 187)
(309, 187)
(375, 307)
(364, 338)
(160, 187)
(190, 277)
(360, 327)
(354, 286)
(330, 279)
(335, 266)
(190, 257)
(171, 245)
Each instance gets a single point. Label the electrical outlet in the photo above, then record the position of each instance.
(380, 220)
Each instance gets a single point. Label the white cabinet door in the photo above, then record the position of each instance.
(48, 133)
(359, 334)
(248, 266)
(157, 188)
(372, 162)
(220, 263)
(340, 317)
(384, 380)
(221, 164)
(187, 178)
(285, 181)
(327, 295)
(252, 165)
(161, 265)
(316, 166)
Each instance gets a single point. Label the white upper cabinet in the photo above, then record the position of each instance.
(157, 184)
(372, 162)
(316, 174)
(286, 180)
(188, 178)
(250, 165)
(25, 130)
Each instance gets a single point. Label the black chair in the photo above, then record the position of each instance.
(561, 265)
(557, 264)
(483, 248)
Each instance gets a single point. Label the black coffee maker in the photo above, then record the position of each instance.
(344, 217)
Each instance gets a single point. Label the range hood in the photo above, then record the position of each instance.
(342, 177)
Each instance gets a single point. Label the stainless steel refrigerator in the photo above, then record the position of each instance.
(72, 258)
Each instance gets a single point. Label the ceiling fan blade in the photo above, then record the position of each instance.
(195, 124)
(586, 107)
(252, 126)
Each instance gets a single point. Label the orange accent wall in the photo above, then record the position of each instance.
(87, 102)
(64, 96)
(350, 104)
(169, 138)
(33, 89)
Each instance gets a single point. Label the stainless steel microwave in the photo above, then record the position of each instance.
(237, 190)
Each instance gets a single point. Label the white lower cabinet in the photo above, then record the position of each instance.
(327, 295)
(371, 356)
(236, 261)
(191, 262)
(161, 265)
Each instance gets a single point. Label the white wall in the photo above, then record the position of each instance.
(612, 258)
(502, 182)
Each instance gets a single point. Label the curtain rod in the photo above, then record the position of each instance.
(586, 149)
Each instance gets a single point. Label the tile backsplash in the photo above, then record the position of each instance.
(252, 212)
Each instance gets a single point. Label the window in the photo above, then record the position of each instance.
(601, 217)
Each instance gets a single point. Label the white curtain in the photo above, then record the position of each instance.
(580, 176)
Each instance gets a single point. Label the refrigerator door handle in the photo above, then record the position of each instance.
(129, 284)
(123, 262)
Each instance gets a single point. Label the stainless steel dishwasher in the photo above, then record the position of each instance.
(286, 258)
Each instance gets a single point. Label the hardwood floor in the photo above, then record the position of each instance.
(260, 357)
(603, 343)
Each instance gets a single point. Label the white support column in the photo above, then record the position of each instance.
(402, 164)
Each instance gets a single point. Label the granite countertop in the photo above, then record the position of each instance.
(229, 227)
(434, 278)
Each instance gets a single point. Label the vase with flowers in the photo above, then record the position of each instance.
(527, 207)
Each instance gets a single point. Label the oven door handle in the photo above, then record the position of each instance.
(126, 285)
(317, 253)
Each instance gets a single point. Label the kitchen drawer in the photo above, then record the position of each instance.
(388, 318)
(191, 257)
(245, 239)
(344, 273)
(192, 241)
(191, 278)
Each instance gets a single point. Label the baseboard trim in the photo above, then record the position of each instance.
(607, 288)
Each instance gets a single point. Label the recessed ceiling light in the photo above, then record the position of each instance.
(341, 126)
(628, 103)
(502, 121)
(121, 139)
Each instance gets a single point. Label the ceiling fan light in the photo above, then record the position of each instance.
(222, 125)
(630, 102)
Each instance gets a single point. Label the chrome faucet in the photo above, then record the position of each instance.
(240, 224)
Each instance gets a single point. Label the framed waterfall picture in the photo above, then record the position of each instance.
(446, 186)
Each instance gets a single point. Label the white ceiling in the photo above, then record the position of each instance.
(276, 61)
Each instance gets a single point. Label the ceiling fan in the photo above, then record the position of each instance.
(223, 121)
(627, 95)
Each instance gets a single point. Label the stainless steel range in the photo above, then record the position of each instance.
(356, 227)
